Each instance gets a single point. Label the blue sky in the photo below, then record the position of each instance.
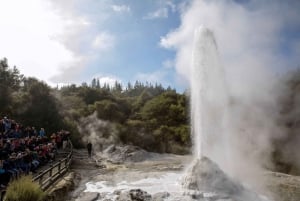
(63, 41)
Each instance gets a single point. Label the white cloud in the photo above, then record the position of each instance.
(171, 5)
(163, 10)
(160, 13)
(104, 41)
(70, 72)
(83, 35)
(51, 40)
(110, 80)
(27, 32)
(158, 76)
(120, 8)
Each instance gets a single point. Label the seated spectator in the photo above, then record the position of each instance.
(7, 124)
(35, 163)
(9, 166)
(27, 159)
(23, 149)
(2, 127)
(53, 138)
(42, 133)
(33, 132)
(4, 176)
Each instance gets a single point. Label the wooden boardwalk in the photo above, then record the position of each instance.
(50, 172)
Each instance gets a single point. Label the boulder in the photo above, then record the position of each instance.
(125, 153)
(134, 195)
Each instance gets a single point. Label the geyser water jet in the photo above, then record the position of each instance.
(209, 103)
(208, 94)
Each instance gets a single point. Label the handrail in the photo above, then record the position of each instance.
(47, 177)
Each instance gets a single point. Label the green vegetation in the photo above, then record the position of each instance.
(147, 116)
(150, 116)
(24, 189)
(142, 114)
(27, 100)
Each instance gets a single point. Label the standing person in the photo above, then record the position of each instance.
(89, 148)
(64, 140)
(33, 132)
(59, 140)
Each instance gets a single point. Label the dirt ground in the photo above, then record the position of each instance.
(281, 187)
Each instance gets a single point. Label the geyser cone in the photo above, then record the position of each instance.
(204, 176)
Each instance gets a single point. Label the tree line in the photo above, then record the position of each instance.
(147, 115)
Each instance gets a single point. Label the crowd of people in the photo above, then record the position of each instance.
(25, 149)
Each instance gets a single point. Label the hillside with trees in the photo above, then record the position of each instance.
(141, 114)
(145, 114)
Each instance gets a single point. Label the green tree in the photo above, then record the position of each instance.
(109, 110)
(39, 106)
(166, 108)
(10, 80)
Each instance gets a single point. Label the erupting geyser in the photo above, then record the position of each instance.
(209, 101)
(209, 94)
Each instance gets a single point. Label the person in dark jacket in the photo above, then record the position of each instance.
(89, 148)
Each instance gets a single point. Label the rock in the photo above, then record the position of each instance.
(102, 166)
(127, 153)
(160, 196)
(139, 195)
(117, 192)
(89, 196)
(60, 190)
(134, 195)
(110, 149)
(124, 196)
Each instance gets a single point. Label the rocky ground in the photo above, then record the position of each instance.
(283, 187)
(117, 164)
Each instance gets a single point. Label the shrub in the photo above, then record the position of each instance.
(24, 189)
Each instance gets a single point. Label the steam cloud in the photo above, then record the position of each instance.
(250, 39)
(99, 132)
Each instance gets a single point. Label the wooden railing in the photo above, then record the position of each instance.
(55, 171)
(47, 177)
(2, 193)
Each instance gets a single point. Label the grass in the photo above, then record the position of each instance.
(24, 189)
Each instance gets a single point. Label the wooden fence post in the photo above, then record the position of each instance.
(59, 166)
(40, 178)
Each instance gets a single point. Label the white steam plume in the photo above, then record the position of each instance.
(249, 38)
(99, 132)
